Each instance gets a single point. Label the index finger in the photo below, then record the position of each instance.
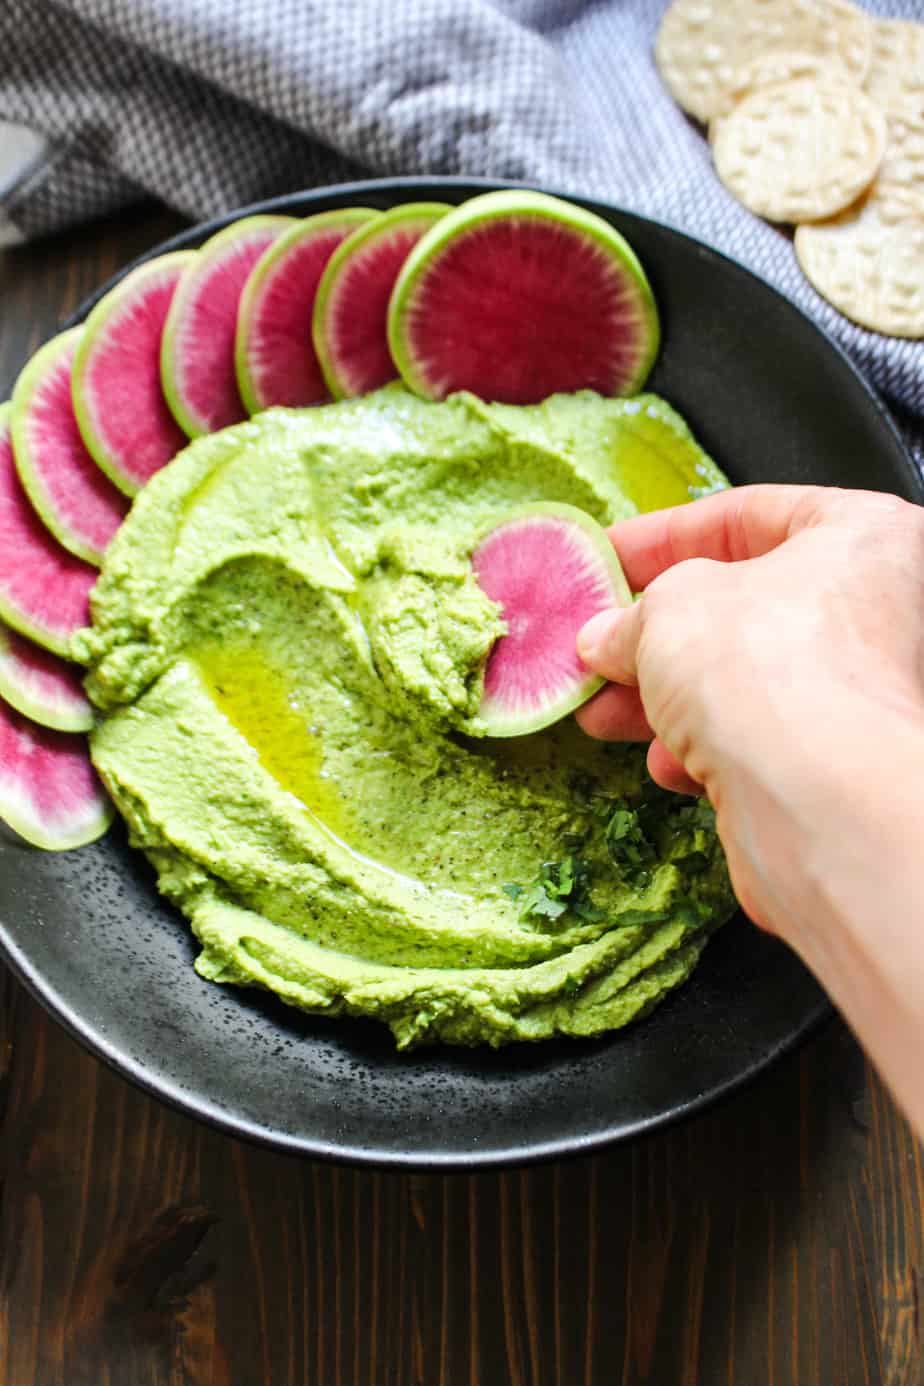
(744, 522)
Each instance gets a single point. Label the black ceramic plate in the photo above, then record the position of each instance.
(773, 400)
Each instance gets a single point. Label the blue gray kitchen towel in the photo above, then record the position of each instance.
(208, 104)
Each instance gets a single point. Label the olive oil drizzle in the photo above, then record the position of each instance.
(258, 702)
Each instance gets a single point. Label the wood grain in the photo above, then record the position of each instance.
(777, 1239)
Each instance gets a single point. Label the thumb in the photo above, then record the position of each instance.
(608, 643)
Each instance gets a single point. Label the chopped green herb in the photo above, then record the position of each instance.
(585, 910)
(656, 826)
(630, 850)
(574, 841)
(536, 900)
(560, 886)
(692, 832)
(583, 787)
(565, 876)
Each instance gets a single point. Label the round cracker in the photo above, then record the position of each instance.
(702, 44)
(869, 263)
(896, 194)
(896, 70)
(902, 167)
(770, 68)
(773, 67)
(800, 150)
(892, 206)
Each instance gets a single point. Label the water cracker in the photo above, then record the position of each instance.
(703, 44)
(800, 150)
(869, 263)
(896, 71)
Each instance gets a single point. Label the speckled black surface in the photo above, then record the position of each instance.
(773, 400)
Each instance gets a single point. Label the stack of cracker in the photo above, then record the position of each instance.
(815, 113)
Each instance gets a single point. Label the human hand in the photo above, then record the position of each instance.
(776, 658)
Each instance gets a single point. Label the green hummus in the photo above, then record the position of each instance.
(287, 652)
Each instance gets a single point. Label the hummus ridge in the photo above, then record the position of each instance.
(286, 652)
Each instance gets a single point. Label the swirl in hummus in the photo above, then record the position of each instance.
(287, 651)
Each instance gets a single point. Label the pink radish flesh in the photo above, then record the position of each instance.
(355, 324)
(43, 588)
(81, 500)
(120, 384)
(283, 364)
(41, 685)
(518, 309)
(204, 347)
(49, 791)
(547, 584)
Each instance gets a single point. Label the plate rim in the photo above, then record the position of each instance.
(204, 1109)
(433, 1162)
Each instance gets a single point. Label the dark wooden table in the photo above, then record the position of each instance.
(777, 1239)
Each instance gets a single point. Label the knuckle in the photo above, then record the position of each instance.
(893, 511)
(874, 508)
(684, 583)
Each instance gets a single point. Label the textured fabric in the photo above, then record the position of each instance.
(208, 104)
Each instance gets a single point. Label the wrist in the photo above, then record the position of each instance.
(829, 829)
(857, 891)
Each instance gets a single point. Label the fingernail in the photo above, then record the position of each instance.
(593, 635)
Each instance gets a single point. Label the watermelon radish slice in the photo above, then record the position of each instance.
(350, 327)
(197, 347)
(41, 686)
(44, 591)
(516, 296)
(123, 417)
(550, 568)
(276, 361)
(49, 791)
(78, 503)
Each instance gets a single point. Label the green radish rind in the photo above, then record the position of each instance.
(29, 380)
(383, 223)
(15, 619)
(261, 271)
(38, 712)
(479, 211)
(77, 719)
(517, 725)
(26, 828)
(210, 251)
(18, 622)
(94, 325)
